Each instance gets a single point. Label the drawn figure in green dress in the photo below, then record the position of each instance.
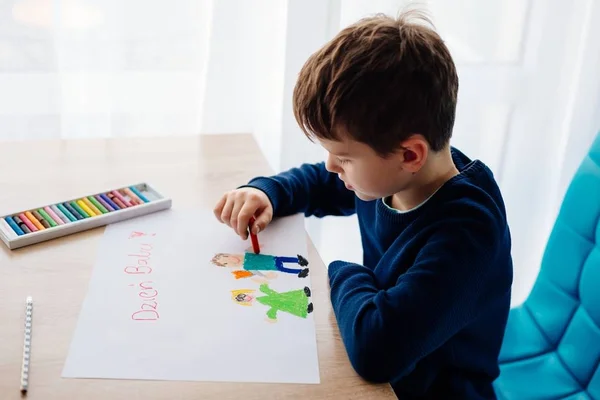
(260, 266)
(294, 302)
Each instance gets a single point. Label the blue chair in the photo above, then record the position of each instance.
(551, 348)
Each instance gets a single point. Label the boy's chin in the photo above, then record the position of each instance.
(365, 197)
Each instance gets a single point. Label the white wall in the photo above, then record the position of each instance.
(97, 69)
(269, 64)
(232, 64)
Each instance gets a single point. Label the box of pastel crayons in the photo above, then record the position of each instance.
(50, 221)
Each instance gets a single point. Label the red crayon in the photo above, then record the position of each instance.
(253, 237)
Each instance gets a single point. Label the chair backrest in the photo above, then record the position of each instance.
(565, 300)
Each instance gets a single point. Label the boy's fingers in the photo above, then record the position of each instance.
(246, 213)
(233, 222)
(262, 220)
(219, 207)
(227, 209)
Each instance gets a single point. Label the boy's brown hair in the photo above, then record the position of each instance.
(380, 80)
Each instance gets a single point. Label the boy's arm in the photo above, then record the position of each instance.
(309, 189)
(386, 332)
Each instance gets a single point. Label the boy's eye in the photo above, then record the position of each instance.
(343, 161)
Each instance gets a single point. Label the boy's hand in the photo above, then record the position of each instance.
(236, 208)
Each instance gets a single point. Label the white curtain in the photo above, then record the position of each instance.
(529, 98)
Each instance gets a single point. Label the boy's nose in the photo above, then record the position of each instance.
(331, 165)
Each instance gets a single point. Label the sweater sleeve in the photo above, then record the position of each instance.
(309, 189)
(386, 332)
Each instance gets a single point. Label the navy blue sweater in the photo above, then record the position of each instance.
(427, 309)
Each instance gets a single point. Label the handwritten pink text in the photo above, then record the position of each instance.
(139, 264)
(148, 308)
(141, 261)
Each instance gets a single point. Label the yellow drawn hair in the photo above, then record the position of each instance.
(234, 294)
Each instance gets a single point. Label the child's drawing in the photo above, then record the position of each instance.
(253, 265)
(136, 234)
(294, 302)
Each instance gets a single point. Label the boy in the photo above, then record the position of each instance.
(427, 309)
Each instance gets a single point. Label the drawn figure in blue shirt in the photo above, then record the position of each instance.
(253, 265)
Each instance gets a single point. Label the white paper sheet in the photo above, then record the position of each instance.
(158, 308)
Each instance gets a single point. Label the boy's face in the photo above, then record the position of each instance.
(365, 172)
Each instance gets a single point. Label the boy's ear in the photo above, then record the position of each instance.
(413, 153)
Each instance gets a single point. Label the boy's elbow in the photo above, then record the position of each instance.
(378, 361)
(369, 362)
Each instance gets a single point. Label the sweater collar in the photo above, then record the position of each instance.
(467, 169)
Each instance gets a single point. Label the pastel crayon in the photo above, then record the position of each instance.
(104, 204)
(110, 202)
(79, 210)
(75, 213)
(34, 220)
(47, 217)
(53, 215)
(66, 212)
(42, 220)
(85, 208)
(116, 200)
(60, 214)
(92, 207)
(24, 228)
(132, 194)
(14, 226)
(120, 197)
(96, 204)
(28, 222)
(20, 224)
(139, 195)
(130, 197)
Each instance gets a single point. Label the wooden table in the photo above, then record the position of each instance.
(194, 172)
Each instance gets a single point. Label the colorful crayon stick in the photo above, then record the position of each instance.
(53, 216)
(73, 211)
(91, 206)
(138, 194)
(24, 228)
(110, 202)
(28, 222)
(116, 200)
(47, 217)
(127, 193)
(107, 206)
(253, 236)
(131, 197)
(14, 226)
(66, 212)
(79, 210)
(85, 208)
(42, 220)
(120, 197)
(34, 220)
(96, 204)
(21, 224)
(60, 214)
